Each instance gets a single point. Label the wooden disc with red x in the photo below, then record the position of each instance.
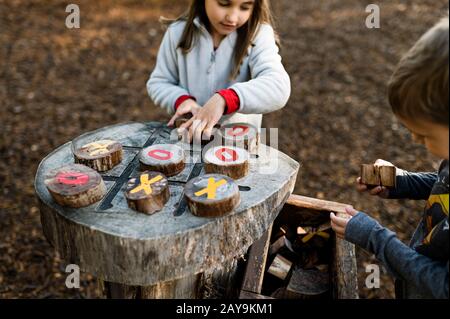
(75, 185)
(227, 160)
(241, 135)
(100, 155)
(148, 193)
(212, 195)
(165, 158)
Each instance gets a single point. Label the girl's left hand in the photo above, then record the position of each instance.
(205, 119)
(339, 224)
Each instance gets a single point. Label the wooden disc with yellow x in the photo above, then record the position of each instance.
(100, 155)
(212, 195)
(148, 193)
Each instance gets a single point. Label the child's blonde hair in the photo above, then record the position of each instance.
(261, 14)
(419, 85)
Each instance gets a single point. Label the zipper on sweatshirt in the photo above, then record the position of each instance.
(211, 62)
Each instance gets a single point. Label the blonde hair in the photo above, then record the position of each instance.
(261, 14)
(419, 85)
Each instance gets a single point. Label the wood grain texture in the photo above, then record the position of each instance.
(148, 193)
(100, 155)
(212, 195)
(75, 186)
(242, 135)
(168, 159)
(149, 249)
(227, 160)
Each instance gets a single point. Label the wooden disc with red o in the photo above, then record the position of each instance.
(148, 193)
(75, 185)
(212, 195)
(227, 160)
(165, 158)
(241, 135)
(100, 155)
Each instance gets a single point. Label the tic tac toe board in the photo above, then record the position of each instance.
(118, 244)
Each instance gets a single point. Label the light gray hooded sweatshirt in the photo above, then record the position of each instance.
(263, 85)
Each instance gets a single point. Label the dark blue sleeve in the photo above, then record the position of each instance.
(402, 261)
(413, 185)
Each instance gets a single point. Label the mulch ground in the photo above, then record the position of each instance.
(56, 84)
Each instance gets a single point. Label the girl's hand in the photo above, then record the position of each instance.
(205, 119)
(188, 106)
(339, 224)
(380, 191)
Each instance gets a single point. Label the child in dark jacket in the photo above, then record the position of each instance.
(418, 94)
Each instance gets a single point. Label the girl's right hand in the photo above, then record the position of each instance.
(188, 106)
(380, 191)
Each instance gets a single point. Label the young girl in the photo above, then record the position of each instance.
(220, 62)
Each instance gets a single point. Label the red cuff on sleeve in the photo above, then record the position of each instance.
(181, 99)
(231, 100)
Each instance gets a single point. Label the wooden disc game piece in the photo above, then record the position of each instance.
(148, 193)
(212, 195)
(75, 186)
(100, 155)
(280, 267)
(242, 135)
(374, 175)
(227, 160)
(164, 158)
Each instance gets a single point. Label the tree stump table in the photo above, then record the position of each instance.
(171, 253)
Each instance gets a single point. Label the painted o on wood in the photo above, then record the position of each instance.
(100, 155)
(75, 185)
(241, 135)
(227, 160)
(164, 158)
(148, 193)
(212, 195)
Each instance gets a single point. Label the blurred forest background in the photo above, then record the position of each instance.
(57, 83)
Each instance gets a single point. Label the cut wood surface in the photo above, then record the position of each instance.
(212, 195)
(75, 185)
(308, 282)
(148, 193)
(168, 159)
(316, 204)
(100, 155)
(143, 245)
(280, 267)
(375, 175)
(227, 160)
(242, 135)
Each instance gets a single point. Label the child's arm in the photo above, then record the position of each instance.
(403, 262)
(413, 185)
(270, 87)
(409, 185)
(163, 85)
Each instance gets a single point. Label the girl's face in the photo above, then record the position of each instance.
(226, 16)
